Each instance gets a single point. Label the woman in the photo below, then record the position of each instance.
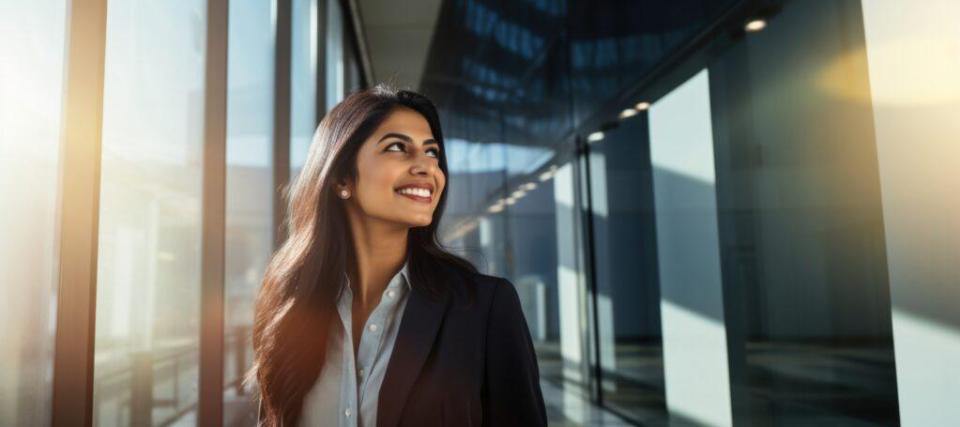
(363, 319)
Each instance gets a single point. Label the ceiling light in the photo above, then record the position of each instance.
(594, 137)
(642, 106)
(629, 112)
(755, 25)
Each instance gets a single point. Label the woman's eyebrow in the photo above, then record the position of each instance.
(405, 138)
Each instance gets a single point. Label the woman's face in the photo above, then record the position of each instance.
(399, 158)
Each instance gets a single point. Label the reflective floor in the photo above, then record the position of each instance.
(569, 409)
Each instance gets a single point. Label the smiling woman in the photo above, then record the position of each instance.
(348, 321)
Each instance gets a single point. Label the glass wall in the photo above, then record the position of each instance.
(802, 224)
(353, 70)
(915, 98)
(152, 159)
(303, 80)
(31, 84)
(148, 288)
(574, 231)
(769, 250)
(760, 193)
(249, 215)
(626, 272)
(530, 232)
(333, 54)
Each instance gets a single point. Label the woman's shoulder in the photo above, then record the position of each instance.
(481, 290)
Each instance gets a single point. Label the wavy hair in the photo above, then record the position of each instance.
(296, 302)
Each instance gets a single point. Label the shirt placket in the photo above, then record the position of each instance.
(348, 390)
(371, 339)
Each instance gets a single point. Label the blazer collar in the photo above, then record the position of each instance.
(418, 330)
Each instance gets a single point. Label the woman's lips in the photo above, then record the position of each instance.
(415, 198)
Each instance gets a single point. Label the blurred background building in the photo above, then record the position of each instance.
(716, 212)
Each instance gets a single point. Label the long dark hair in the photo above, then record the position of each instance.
(295, 305)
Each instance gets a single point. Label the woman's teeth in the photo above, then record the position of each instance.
(420, 192)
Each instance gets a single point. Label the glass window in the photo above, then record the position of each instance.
(626, 273)
(249, 215)
(768, 248)
(31, 83)
(801, 224)
(148, 290)
(912, 51)
(779, 210)
(303, 81)
(335, 68)
(352, 70)
(688, 255)
(529, 231)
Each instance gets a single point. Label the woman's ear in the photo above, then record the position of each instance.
(342, 186)
(342, 189)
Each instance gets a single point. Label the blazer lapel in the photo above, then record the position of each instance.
(418, 329)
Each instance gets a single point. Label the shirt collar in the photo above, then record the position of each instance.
(403, 275)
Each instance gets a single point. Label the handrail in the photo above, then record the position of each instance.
(148, 368)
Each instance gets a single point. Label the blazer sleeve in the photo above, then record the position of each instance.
(511, 391)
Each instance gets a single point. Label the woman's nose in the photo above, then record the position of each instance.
(424, 165)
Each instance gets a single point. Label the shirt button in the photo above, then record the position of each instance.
(347, 412)
(361, 372)
(391, 293)
(373, 327)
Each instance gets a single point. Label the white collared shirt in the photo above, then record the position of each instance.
(347, 390)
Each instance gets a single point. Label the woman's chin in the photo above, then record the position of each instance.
(418, 222)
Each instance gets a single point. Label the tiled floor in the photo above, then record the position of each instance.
(568, 409)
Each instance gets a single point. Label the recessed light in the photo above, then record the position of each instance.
(629, 112)
(642, 106)
(755, 25)
(594, 137)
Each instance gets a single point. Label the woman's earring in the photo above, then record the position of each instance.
(344, 194)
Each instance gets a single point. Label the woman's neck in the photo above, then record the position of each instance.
(381, 250)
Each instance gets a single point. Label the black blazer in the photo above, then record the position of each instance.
(459, 365)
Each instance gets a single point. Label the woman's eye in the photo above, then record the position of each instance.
(435, 151)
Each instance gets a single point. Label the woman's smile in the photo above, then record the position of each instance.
(422, 193)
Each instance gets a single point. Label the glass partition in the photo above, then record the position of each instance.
(305, 27)
(31, 84)
(802, 239)
(334, 66)
(249, 214)
(626, 272)
(148, 277)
